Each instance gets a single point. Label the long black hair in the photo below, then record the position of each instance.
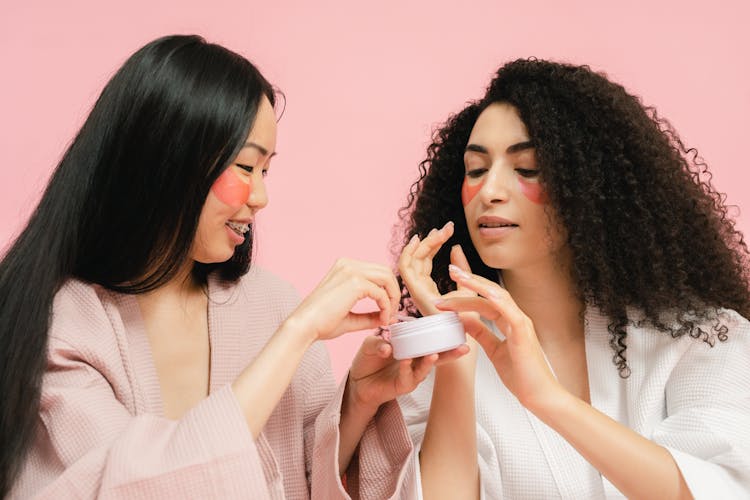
(122, 207)
(646, 228)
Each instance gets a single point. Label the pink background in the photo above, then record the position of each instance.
(365, 83)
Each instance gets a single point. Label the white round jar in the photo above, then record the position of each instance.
(427, 335)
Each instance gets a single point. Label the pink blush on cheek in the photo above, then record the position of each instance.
(533, 191)
(469, 192)
(230, 189)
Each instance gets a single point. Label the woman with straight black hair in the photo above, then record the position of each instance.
(140, 353)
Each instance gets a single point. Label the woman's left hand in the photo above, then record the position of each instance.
(519, 359)
(376, 377)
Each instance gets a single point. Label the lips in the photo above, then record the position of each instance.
(493, 222)
(493, 228)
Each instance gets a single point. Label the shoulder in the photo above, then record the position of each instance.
(269, 282)
(712, 328)
(259, 300)
(724, 331)
(713, 370)
(719, 336)
(77, 309)
(76, 294)
(262, 285)
(87, 331)
(715, 344)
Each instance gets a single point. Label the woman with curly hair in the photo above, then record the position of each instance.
(596, 266)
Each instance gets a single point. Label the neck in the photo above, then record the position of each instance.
(180, 291)
(546, 294)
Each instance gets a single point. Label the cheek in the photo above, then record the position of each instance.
(469, 191)
(533, 191)
(230, 189)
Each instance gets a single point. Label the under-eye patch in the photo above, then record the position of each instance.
(231, 189)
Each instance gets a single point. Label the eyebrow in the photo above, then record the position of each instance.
(521, 146)
(260, 148)
(515, 148)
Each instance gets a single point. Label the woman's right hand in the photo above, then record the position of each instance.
(415, 268)
(449, 441)
(326, 312)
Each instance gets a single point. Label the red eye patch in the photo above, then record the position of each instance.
(533, 191)
(469, 192)
(231, 189)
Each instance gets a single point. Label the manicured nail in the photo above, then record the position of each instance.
(458, 272)
(437, 302)
(448, 224)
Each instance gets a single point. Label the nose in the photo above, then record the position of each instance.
(496, 186)
(258, 198)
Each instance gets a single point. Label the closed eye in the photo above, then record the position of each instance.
(476, 173)
(246, 168)
(527, 172)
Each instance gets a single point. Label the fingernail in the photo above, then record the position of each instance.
(438, 301)
(413, 238)
(458, 271)
(448, 224)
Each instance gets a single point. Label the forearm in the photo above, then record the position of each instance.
(448, 458)
(262, 383)
(352, 425)
(636, 466)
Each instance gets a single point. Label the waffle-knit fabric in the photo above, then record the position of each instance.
(682, 394)
(102, 430)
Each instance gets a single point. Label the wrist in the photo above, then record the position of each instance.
(297, 330)
(463, 369)
(552, 403)
(353, 403)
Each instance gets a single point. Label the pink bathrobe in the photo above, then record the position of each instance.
(102, 430)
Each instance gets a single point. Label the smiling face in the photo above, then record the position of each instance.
(504, 202)
(238, 194)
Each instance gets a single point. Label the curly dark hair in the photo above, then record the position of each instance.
(646, 228)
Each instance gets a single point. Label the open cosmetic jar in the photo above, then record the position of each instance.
(426, 335)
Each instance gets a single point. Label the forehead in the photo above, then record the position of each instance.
(498, 126)
(263, 132)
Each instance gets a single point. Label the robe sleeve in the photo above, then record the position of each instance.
(103, 451)
(381, 468)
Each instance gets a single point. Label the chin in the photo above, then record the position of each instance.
(494, 254)
(495, 259)
(216, 256)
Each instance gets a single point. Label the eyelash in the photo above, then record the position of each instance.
(249, 169)
(476, 173)
(527, 173)
(523, 172)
